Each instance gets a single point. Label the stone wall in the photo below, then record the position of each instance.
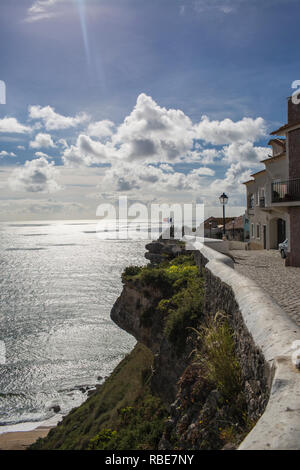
(265, 341)
(255, 369)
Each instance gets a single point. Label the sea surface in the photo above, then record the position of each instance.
(58, 282)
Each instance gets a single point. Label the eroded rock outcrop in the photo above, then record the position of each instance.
(135, 311)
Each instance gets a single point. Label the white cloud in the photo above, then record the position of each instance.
(245, 153)
(63, 142)
(42, 154)
(87, 152)
(42, 9)
(4, 153)
(151, 180)
(142, 156)
(203, 171)
(152, 132)
(166, 167)
(55, 121)
(20, 147)
(100, 129)
(226, 131)
(235, 175)
(9, 125)
(42, 141)
(35, 176)
(224, 6)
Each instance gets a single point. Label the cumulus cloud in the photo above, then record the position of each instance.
(166, 167)
(4, 153)
(152, 180)
(35, 176)
(55, 121)
(42, 154)
(152, 132)
(87, 152)
(42, 141)
(156, 152)
(235, 175)
(245, 153)
(226, 131)
(100, 129)
(203, 172)
(10, 125)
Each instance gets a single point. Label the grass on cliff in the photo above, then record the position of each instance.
(218, 355)
(182, 288)
(122, 414)
(221, 370)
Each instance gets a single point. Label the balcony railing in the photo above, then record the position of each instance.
(285, 191)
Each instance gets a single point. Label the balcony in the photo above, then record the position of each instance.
(286, 191)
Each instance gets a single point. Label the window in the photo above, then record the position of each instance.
(251, 201)
(257, 198)
(252, 230)
(258, 231)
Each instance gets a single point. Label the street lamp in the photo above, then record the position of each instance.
(223, 201)
(210, 224)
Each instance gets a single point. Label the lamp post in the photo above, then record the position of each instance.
(233, 222)
(223, 201)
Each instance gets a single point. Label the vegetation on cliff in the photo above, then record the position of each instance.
(163, 306)
(122, 414)
(182, 290)
(210, 412)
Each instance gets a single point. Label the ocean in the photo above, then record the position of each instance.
(58, 283)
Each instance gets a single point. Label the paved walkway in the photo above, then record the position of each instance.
(268, 269)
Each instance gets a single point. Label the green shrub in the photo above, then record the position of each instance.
(141, 427)
(100, 441)
(182, 289)
(131, 271)
(218, 356)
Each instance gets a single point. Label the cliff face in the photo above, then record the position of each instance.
(207, 405)
(194, 366)
(136, 312)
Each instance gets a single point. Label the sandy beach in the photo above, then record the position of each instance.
(22, 439)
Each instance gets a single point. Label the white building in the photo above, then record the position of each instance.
(273, 195)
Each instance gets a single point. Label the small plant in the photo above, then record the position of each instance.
(125, 413)
(131, 271)
(218, 356)
(100, 441)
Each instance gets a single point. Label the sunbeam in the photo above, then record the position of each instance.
(82, 15)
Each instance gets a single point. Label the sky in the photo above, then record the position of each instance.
(162, 101)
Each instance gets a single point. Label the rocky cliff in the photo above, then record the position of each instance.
(183, 387)
(204, 414)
